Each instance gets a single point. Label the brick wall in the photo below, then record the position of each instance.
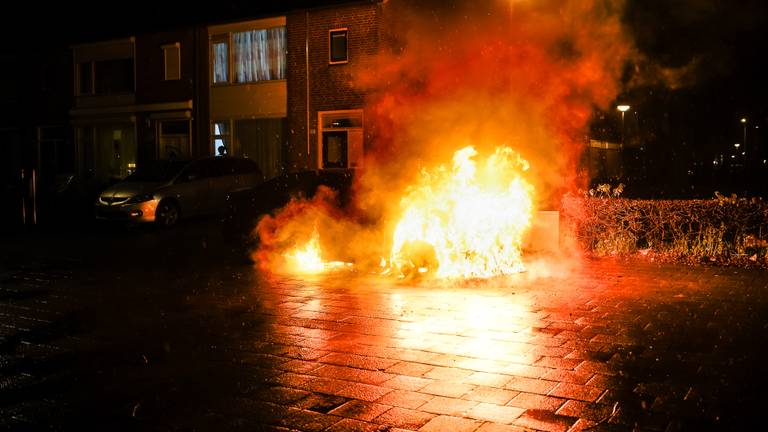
(330, 86)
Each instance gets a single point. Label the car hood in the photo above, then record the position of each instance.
(130, 189)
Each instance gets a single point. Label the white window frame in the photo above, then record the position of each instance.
(321, 129)
(228, 138)
(330, 45)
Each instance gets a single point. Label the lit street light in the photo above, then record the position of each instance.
(744, 122)
(623, 109)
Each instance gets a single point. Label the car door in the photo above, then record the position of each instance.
(193, 188)
(223, 182)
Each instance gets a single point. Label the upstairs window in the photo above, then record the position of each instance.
(172, 61)
(113, 76)
(85, 78)
(220, 59)
(337, 46)
(259, 55)
(249, 56)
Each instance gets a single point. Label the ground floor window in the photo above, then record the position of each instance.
(263, 141)
(174, 139)
(107, 152)
(220, 138)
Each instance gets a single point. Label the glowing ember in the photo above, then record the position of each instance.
(466, 221)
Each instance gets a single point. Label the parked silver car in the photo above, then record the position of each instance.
(162, 191)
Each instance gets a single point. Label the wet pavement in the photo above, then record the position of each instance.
(141, 329)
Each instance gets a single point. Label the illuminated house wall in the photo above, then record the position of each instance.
(329, 92)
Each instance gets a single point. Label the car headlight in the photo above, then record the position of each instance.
(140, 198)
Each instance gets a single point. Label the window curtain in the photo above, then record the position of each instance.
(219, 62)
(259, 55)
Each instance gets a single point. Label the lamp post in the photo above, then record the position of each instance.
(736, 155)
(744, 122)
(623, 109)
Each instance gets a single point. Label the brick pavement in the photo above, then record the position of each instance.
(606, 345)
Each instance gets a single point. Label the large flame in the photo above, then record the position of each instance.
(468, 220)
(524, 73)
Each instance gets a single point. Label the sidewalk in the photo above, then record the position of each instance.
(612, 344)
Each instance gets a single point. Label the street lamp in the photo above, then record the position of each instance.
(623, 109)
(744, 122)
(736, 146)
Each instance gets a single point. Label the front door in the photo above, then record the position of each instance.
(335, 145)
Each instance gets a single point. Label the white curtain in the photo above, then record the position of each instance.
(219, 62)
(259, 55)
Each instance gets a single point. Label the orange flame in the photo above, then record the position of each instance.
(466, 221)
(306, 258)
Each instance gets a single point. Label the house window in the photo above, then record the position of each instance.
(256, 55)
(108, 151)
(172, 60)
(259, 55)
(262, 140)
(220, 138)
(85, 78)
(337, 46)
(174, 139)
(220, 59)
(113, 76)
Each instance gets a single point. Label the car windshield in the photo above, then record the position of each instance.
(157, 171)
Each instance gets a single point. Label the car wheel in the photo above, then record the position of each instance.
(167, 214)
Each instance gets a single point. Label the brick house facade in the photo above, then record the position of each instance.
(329, 89)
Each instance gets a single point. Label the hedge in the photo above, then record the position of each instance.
(730, 231)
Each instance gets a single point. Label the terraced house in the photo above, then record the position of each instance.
(272, 86)
(276, 89)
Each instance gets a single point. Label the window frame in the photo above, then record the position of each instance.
(166, 49)
(226, 137)
(347, 113)
(340, 30)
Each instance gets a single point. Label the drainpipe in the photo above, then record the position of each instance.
(196, 92)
